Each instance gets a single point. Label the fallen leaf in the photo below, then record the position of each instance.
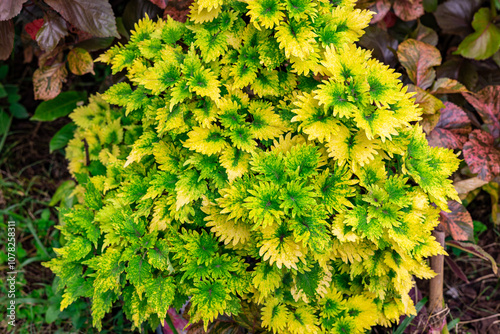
(419, 58)
(466, 186)
(482, 157)
(452, 129)
(487, 104)
(408, 10)
(458, 222)
(456, 269)
(48, 80)
(475, 250)
(93, 16)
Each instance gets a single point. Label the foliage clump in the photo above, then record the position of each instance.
(256, 155)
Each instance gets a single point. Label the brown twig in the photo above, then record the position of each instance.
(480, 319)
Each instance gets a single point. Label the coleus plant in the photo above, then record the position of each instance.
(255, 156)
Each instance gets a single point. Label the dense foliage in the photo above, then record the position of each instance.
(270, 161)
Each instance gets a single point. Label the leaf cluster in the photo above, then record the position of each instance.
(256, 156)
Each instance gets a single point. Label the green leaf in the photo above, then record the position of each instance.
(63, 193)
(4, 122)
(60, 106)
(158, 256)
(430, 5)
(485, 41)
(406, 321)
(3, 92)
(12, 93)
(138, 272)
(62, 137)
(101, 304)
(18, 111)
(75, 250)
(52, 313)
(160, 292)
(4, 69)
(93, 197)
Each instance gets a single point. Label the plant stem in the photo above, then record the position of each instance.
(436, 285)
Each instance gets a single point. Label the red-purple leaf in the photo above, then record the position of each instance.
(482, 157)
(177, 320)
(425, 34)
(455, 16)
(408, 10)
(10, 8)
(448, 86)
(475, 250)
(93, 16)
(49, 35)
(33, 27)
(456, 269)
(419, 58)
(452, 129)
(487, 104)
(160, 3)
(381, 44)
(380, 8)
(6, 38)
(457, 223)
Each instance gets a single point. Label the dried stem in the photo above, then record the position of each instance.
(437, 311)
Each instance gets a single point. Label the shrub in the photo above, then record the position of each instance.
(256, 155)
